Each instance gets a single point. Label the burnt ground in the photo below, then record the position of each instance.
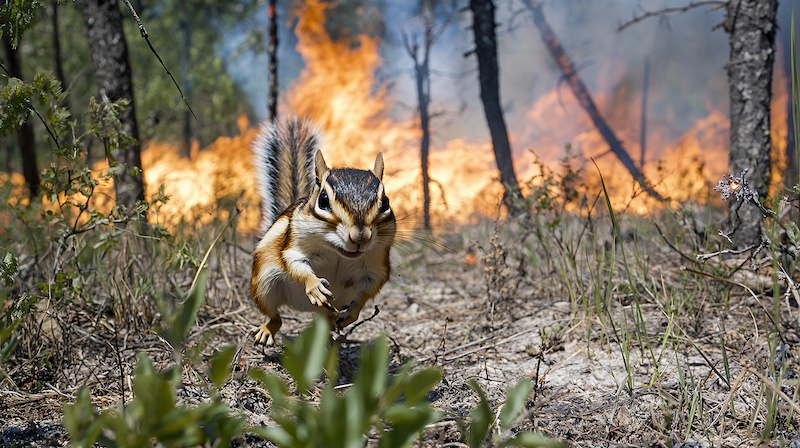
(486, 317)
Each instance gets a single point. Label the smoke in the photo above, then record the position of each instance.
(687, 59)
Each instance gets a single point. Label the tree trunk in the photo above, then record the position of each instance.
(25, 136)
(272, 52)
(751, 24)
(57, 49)
(643, 122)
(114, 81)
(483, 26)
(422, 75)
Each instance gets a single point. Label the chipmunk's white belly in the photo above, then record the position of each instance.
(343, 275)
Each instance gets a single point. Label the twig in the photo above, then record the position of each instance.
(144, 34)
(460, 347)
(358, 324)
(703, 257)
(495, 345)
(672, 246)
(663, 12)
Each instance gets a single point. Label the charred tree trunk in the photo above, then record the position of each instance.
(9, 150)
(272, 52)
(751, 24)
(483, 26)
(114, 82)
(643, 125)
(422, 74)
(423, 83)
(585, 98)
(25, 136)
(57, 48)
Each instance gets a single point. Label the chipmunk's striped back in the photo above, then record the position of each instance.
(284, 165)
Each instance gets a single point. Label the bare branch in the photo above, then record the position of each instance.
(715, 4)
(144, 34)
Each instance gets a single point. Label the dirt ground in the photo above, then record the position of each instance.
(440, 310)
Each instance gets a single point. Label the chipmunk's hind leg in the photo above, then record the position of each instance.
(265, 334)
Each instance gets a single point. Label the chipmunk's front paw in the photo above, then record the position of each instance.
(263, 335)
(319, 294)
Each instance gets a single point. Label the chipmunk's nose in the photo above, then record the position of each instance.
(360, 235)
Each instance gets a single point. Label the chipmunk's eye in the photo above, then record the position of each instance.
(324, 203)
(385, 204)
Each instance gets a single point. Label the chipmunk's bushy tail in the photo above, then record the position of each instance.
(284, 165)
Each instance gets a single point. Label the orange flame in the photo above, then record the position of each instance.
(337, 89)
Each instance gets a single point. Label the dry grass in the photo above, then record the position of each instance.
(547, 299)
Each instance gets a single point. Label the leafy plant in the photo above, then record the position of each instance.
(153, 414)
(394, 408)
(486, 429)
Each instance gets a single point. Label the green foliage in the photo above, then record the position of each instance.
(154, 414)
(177, 29)
(395, 407)
(480, 430)
(13, 308)
(18, 99)
(16, 17)
(178, 322)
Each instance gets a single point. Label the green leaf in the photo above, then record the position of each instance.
(370, 383)
(82, 421)
(6, 349)
(187, 313)
(533, 440)
(517, 396)
(9, 267)
(276, 435)
(480, 418)
(420, 383)
(407, 423)
(305, 356)
(220, 365)
(155, 394)
(179, 425)
(275, 386)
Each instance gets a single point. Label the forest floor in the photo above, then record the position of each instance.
(476, 311)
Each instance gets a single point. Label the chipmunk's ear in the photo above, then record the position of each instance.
(321, 167)
(378, 170)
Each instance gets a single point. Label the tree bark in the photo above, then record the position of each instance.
(643, 122)
(422, 74)
(114, 81)
(483, 26)
(272, 52)
(751, 24)
(57, 49)
(25, 136)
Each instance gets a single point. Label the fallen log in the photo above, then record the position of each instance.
(585, 98)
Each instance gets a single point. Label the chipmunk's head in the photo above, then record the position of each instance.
(354, 207)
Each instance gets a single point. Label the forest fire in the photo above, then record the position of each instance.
(337, 89)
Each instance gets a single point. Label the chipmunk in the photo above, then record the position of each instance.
(327, 232)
